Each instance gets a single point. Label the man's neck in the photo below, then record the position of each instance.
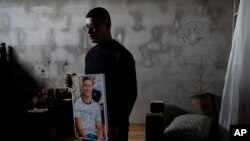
(107, 40)
(87, 100)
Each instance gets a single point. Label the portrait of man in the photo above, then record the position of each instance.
(89, 113)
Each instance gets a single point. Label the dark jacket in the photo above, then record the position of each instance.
(118, 65)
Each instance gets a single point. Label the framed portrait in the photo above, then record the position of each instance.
(89, 107)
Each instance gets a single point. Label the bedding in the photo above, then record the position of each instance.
(189, 127)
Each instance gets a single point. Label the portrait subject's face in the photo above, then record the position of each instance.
(87, 87)
(97, 30)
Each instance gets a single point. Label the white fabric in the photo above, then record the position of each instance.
(235, 106)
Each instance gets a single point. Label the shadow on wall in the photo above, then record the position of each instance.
(17, 87)
(16, 84)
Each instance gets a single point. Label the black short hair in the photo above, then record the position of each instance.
(100, 13)
(84, 78)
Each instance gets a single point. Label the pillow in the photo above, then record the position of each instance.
(189, 127)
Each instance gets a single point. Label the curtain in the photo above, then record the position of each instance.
(235, 105)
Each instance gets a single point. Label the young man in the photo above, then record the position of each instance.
(118, 65)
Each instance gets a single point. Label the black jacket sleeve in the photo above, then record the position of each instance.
(126, 88)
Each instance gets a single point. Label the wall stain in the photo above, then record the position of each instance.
(138, 20)
(173, 67)
(51, 37)
(190, 33)
(43, 67)
(213, 12)
(162, 4)
(150, 50)
(199, 74)
(5, 23)
(177, 18)
(119, 34)
(68, 23)
(20, 35)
